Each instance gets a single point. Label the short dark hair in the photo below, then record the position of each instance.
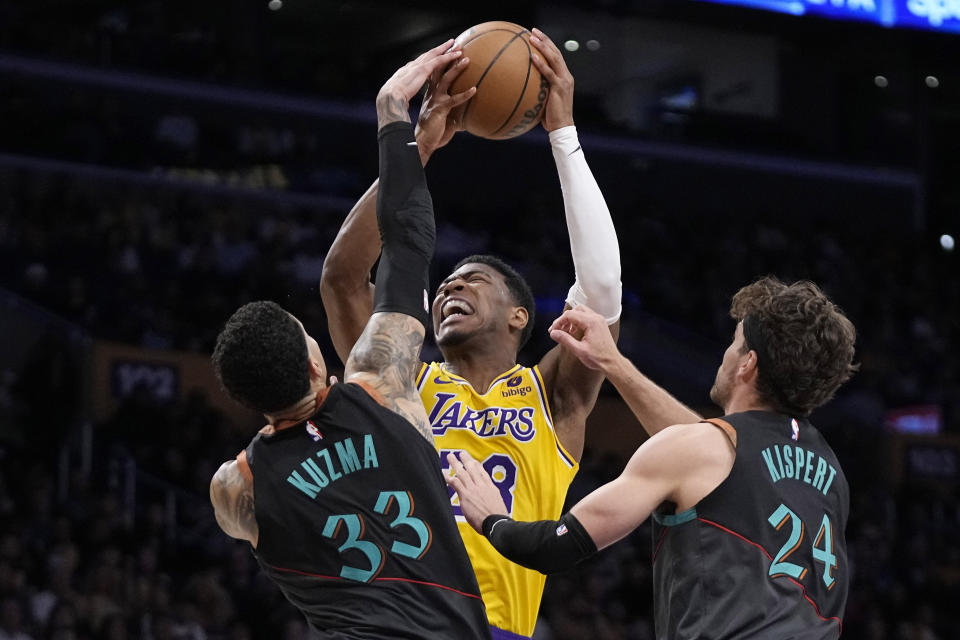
(804, 342)
(518, 287)
(261, 357)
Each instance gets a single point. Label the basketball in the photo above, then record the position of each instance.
(510, 90)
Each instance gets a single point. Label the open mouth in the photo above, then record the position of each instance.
(454, 309)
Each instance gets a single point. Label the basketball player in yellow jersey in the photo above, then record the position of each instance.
(526, 425)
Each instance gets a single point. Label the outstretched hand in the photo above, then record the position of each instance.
(441, 114)
(585, 333)
(558, 112)
(479, 497)
(393, 100)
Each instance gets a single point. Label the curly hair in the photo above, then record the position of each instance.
(261, 357)
(804, 342)
(516, 285)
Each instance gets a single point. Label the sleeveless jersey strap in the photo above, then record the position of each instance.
(372, 392)
(726, 427)
(422, 376)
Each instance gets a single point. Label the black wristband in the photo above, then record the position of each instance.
(546, 546)
(491, 520)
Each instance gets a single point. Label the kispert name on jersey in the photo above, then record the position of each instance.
(355, 527)
(763, 555)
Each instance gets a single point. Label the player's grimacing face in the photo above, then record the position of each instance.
(471, 299)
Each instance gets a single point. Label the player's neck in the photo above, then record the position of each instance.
(479, 368)
(746, 399)
(303, 409)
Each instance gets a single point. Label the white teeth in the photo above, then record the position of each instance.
(455, 307)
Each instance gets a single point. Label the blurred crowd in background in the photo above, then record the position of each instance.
(163, 270)
(145, 215)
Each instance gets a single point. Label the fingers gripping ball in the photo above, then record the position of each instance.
(510, 90)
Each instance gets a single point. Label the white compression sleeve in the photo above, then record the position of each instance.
(593, 239)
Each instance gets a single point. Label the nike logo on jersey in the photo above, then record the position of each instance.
(412, 144)
(437, 380)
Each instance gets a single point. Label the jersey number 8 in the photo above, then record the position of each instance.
(502, 470)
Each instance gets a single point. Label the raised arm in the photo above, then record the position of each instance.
(345, 286)
(387, 353)
(573, 388)
(583, 333)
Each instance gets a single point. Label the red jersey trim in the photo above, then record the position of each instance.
(429, 584)
(816, 609)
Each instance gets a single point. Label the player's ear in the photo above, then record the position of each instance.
(747, 369)
(519, 318)
(317, 369)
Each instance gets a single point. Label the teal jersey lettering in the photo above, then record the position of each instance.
(331, 469)
(369, 453)
(798, 463)
(347, 456)
(768, 459)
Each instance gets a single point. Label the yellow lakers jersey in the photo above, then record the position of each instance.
(509, 429)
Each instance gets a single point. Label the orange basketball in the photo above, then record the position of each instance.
(510, 90)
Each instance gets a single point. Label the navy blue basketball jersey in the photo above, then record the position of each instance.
(763, 555)
(355, 525)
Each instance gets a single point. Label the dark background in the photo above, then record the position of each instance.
(163, 162)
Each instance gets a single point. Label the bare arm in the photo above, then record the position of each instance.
(681, 464)
(583, 334)
(232, 497)
(573, 389)
(345, 286)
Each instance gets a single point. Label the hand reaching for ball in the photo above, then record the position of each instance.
(441, 114)
(558, 112)
(393, 100)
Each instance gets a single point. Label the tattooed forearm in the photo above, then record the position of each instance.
(232, 498)
(390, 349)
(391, 108)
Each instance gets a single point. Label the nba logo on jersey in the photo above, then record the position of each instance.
(561, 530)
(313, 432)
(796, 429)
(426, 302)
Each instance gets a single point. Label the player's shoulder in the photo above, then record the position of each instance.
(696, 443)
(233, 473)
